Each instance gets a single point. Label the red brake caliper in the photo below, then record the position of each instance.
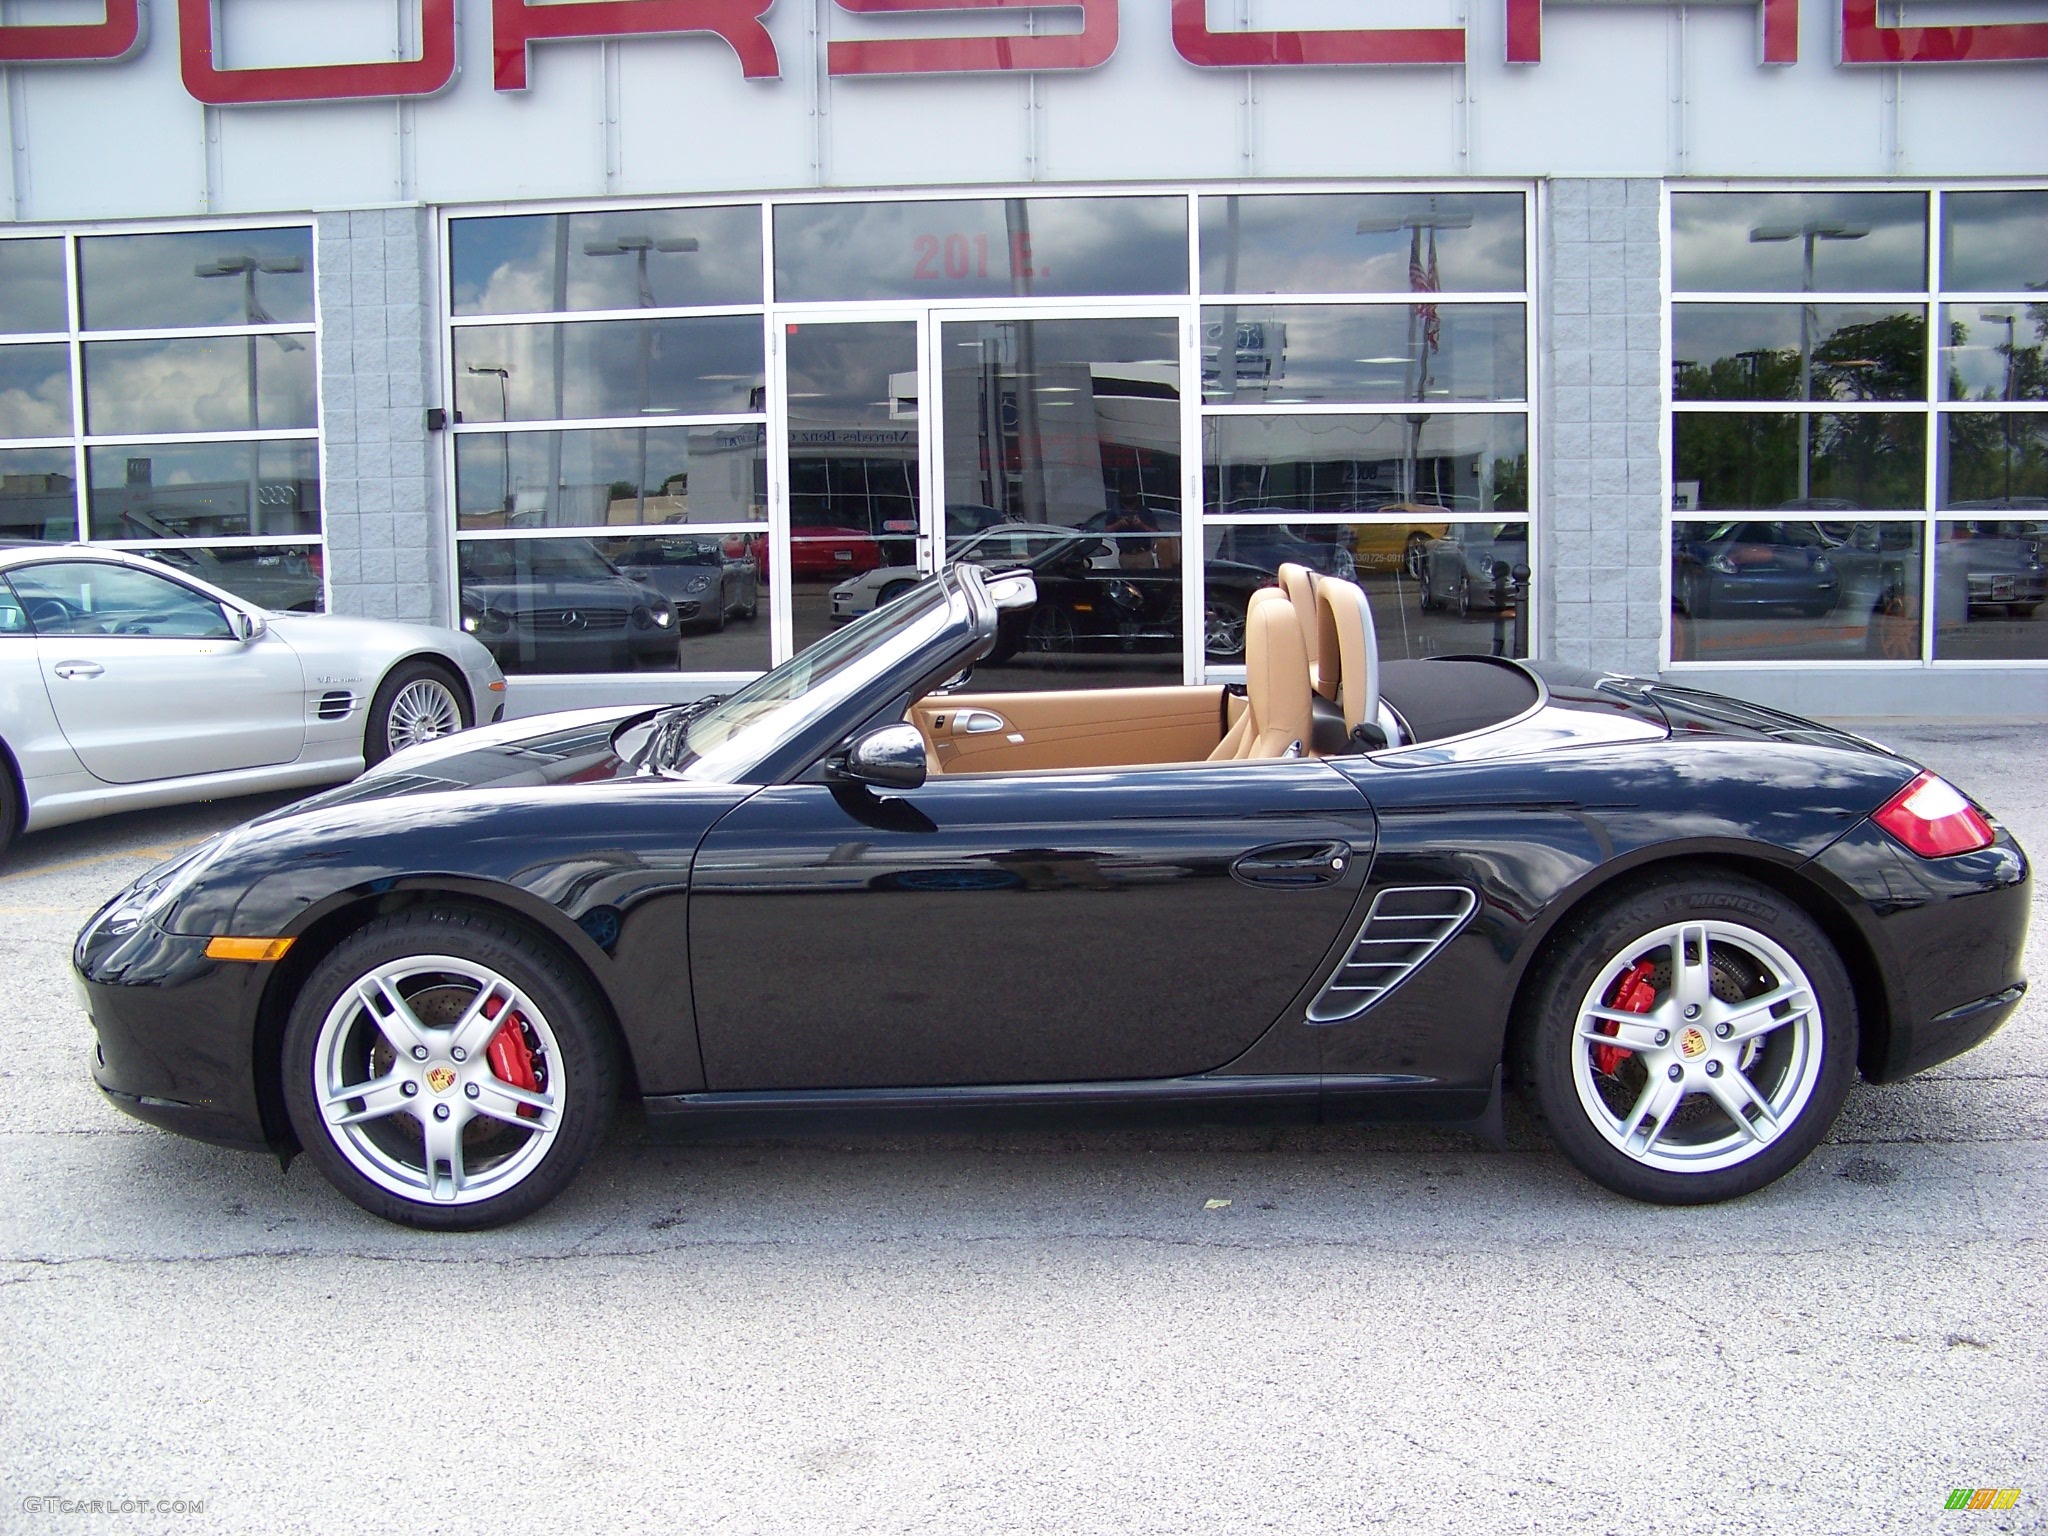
(508, 1054)
(1632, 994)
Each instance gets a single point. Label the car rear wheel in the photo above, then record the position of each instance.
(1413, 554)
(891, 592)
(1692, 1041)
(417, 702)
(445, 1070)
(1223, 621)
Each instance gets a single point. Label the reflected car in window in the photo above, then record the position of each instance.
(2000, 557)
(1324, 549)
(1461, 569)
(818, 552)
(704, 583)
(1399, 546)
(127, 683)
(557, 605)
(1753, 566)
(998, 548)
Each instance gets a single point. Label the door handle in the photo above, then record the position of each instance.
(977, 722)
(1293, 866)
(78, 669)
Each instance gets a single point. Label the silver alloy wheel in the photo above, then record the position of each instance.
(404, 1084)
(425, 710)
(1223, 625)
(1722, 1062)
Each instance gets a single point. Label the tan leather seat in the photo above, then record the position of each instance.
(1299, 583)
(1278, 714)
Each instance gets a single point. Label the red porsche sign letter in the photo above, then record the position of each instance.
(1366, 45)
(1778, 42)
(1867, 41)
(218, 87)
(1085, 49)
(103, 42)
(516, 23)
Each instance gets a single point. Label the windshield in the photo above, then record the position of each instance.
(745, 728)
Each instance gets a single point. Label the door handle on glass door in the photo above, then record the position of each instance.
(77, 669)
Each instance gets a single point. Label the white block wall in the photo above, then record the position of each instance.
(386, 528)
(1599, 405)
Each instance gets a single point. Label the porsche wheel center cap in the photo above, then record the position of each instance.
(1691, 1045)
(441, 1079)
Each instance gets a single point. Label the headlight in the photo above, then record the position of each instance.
(1722, 564)
(1822, 566)
(157, 891)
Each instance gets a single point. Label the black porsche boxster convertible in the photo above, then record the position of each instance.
(858, 893)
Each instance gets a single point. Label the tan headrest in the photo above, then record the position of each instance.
(1340, 627)
(1276, 681)
(1299, 583)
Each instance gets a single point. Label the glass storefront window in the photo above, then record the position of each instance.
(1455, 464)
(223, 342)
(285, 578)
(1992, 459)
(1992, 242)
(38, 495)
(1362, 242)
(1755, 589)
(1994, 352)
(1794, 242)
(981, 248)
(1761, 460)
(707, 366)
(1824, 352)
(204, 490)
(32, 287)
(648, 603)
(1991, 585)
(611, 476)
(625, 258)
(1340, 354)
(209, 384)
(197, 278)
(35, 390)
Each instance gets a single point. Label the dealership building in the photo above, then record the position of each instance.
(648, 340)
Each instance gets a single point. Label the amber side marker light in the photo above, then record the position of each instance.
(225, 948)
(1931, 817)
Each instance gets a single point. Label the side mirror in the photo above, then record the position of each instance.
(247, 627)
(891, 757)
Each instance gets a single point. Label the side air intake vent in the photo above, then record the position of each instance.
(335, 706)
(1407, 924)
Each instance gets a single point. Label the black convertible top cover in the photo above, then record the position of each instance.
(1450, 695)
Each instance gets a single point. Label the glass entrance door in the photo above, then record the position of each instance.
(1060, 452)
(853, 468)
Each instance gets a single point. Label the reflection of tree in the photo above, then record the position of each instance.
(1880, 359)
(1750, 459)
(1993, 455)
(1510, 481)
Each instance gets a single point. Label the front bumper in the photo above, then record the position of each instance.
(175, 1042)
(1948, 936)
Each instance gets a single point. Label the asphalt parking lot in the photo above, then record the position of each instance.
(1063, 1333)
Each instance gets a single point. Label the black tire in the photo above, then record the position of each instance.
(430, 677)
(1464, 597)
(1413, 554)
(1223, 626)
(10, 801)
(1801, 1065)
(891, 592)
(1426, 595)
(752, 610)
(578, 1056)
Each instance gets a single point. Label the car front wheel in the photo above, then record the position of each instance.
(446, 1070)
(1691, 1042)
(417, 702)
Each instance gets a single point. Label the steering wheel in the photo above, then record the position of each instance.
(54, 612)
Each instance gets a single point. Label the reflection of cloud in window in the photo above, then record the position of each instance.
(37, 407)
(195, 386)
(1712, 250)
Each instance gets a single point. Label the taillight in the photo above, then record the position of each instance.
(1930, 817)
